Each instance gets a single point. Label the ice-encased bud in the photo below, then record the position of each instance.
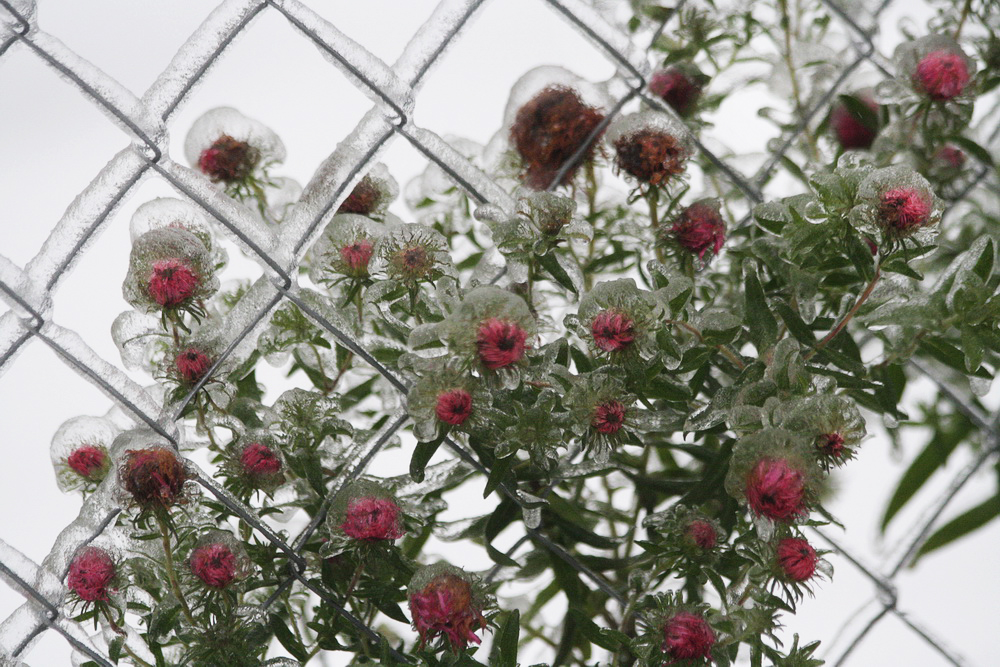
(935, 66)
(650, 146)
(372, 194)
(169, 268)
(229, 147)
(80, 451)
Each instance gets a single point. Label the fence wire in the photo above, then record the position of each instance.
(145, 119)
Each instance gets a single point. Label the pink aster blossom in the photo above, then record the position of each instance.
(454, 406)
(608, 417)
(797, 559)
(903, 209)
(500, 343)
(87, 461)
(850, 130)
(215, 564)
(950, 156)
(228, 160)
(688, 636)
(356, 257)
(831, 445)
(612, 330)
(172, 282)
(702, 533)
(776, 490)
(259, 460)
(192, 364)
(677, 88)
(372, 519)
(445, 606)
(942, 74)
(699, 228)
(91, 573)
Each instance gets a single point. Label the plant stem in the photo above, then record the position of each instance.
(171, 572)
(653, 198)
(729, 354)
(847, 318)
(354, 581)
(786, 26)
(961, 19)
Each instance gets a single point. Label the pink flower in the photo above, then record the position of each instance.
(678, 89)
(445, 606)
(688, 636)
(776, 490)
(228, 160)
(259, 460)
(372, 519)
(192, 364)
(356, 257)
(951, 157)
(851, 130)
(608, 417)
(831, 445)
(364, 198)
(87, 461)
(91, 573)
(942, 75)
(215, 564)
(454, 406)
(903, 209)
(172, 282)
(651, 155)
(612, 330)
(699, 228)
(702, 533)
(797, 559)
(500, 343)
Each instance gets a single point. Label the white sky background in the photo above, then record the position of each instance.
(53, 141)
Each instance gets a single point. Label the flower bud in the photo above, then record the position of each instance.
(851, 130)
(776, 489)
(904, 208)
(942, 75)
(172, 282)
(454, 406)
(443, 602)
(372, 519)
(259, 461)
(612, 331)
(797, 559)
(89, 462)
(608, 417)
(699, 229)
(500, 343)
(356, 257)
(702, 534)
(679, 87)
(192, 364)
(228, 160)
(688, 636)
(91, 574)
(154, 477)
(215, 564)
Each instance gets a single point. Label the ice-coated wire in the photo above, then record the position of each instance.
(164, 97)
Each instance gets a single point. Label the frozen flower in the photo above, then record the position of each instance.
(230, 148)
(491, 326)
(649, 146)
(797, 559)
(89, 462)
(935, 66)
(775, 472)
(500, 342)
(831, 445)
(897, 202)
(258, 460)
(608, 417)
(169, 269)
(79, 452)
(372, 519)
(950, 156)
(153, 477)
(702, 534)
(698, 229)
(834, 423)
(775, 489)
(453, 406)
(851, 129)
(345, 249)
(372, 195)
(192, 364)
(617, 317)
(255, 459)
(170, 213)
(413, 253)
(218, 560)
(612, 331)
(548, 132)
(688, 636)
(214, 564)
(445, 602)
(91, 574)
(679, 86)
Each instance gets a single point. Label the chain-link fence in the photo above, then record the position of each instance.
(392, 91)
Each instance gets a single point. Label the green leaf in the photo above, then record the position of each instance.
(288, 639)
(960, 526)
(861, 111)
(505, 644)
(549, 262)
(975, 149)
(759, 320)
(861, 256)
(422, 453)
(796, 326)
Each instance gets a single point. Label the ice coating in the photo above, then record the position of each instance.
(538, 79)
(432, 197)
(168, 268)
(815, 66)
(934, 66)
(338, 252)
(91, 436)
(227, 121)
(628, 125)
(139, 337)
(167, 212)
(12, 278)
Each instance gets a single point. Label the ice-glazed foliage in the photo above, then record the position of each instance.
(225, 122)
(80, 452)
(169, 269)
(372, 195)
(413, 253)
(218, 560)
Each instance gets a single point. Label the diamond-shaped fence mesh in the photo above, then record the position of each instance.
(392, 90)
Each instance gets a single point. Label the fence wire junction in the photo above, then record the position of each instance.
(392, 91)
